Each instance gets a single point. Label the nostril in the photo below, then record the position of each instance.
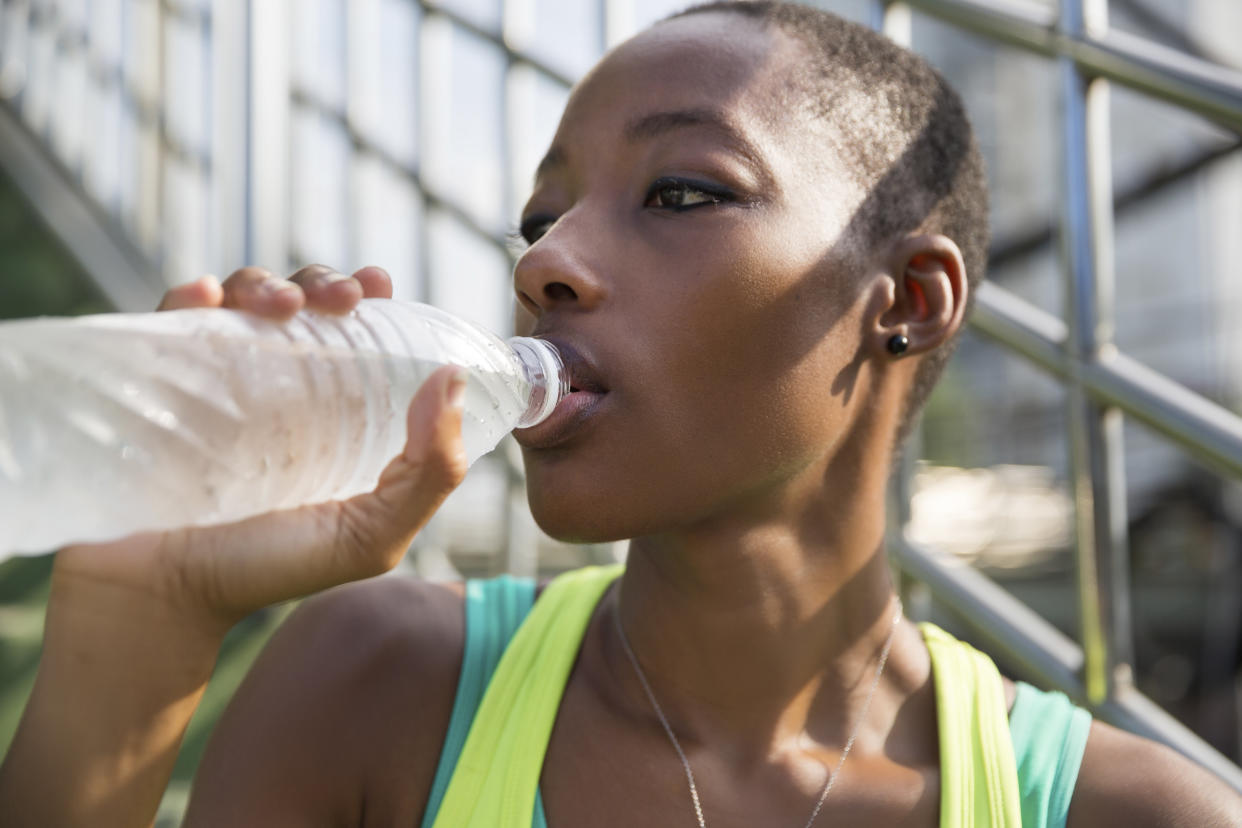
(559, 291)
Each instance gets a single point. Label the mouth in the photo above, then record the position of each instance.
(587, 393)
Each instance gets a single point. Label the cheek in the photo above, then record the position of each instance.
(755, 378)
(730, 386)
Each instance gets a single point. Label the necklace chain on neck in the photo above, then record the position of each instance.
(681, 754)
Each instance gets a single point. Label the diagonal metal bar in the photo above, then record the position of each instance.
(491, 235)
(1159, 26)
(1207, 431)
(1043, 654)
(1211, 90)
(126, 276)
(1154, 182)
(497, 38)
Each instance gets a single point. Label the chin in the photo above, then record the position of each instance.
(604, 501)
(578, 519)
(586, 513)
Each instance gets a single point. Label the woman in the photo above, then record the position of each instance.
(755, 234)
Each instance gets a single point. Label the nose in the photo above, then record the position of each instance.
(553, 275)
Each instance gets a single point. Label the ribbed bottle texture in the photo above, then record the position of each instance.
(117, 423)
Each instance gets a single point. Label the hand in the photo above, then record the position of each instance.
(257, 291)
(133, 626)
(215, 575)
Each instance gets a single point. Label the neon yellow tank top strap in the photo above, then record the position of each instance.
(497, 775)
(978, 774)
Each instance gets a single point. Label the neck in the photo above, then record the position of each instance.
(756, 628)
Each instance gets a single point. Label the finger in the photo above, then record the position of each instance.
(205, 292)
(316, 547)
(328, 291)
(375, 281)
(416, 482)
(256, 290)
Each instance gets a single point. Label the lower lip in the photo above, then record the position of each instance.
(570, 414)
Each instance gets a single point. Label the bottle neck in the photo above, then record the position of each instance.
(546, 372)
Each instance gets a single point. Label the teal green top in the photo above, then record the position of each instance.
(1049, 733)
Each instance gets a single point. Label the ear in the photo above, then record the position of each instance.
(927, 294)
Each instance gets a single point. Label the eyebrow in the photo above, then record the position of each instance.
(653, 125)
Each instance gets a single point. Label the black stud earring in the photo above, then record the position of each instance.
(898, 344)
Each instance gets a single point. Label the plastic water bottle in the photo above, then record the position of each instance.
(117, 423)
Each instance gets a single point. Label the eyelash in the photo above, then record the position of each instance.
(525, 234)
(715, 194)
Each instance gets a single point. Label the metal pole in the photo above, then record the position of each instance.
(1095, 436)
(521, 552)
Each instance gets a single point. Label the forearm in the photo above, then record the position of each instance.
(119, 678)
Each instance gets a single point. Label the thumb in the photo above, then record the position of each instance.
(377, 527)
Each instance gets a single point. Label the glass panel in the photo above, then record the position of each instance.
(569, 37)
(857, 10)
(535, 106)
(1179, 208)
(186, 99)
(319, 206)
(484, 13)
(384, 56)
(1186, 586)
(142, 50)
(463, 83)
(37, 100)
(646, 12)
(469, 276)
(126, 163)
(470, 526)
(102, 166)
(72, 16)
(386, 222)
(14, 40)
(993, 407)
(318, 60)
(992, 488)
(105, 33)
(185, 222)
(149, 216)
(1012, 98)
(1205, 29)
(1018, 127)
(66, 132)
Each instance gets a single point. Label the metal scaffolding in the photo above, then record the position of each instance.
(239, 161)
(1103, 384)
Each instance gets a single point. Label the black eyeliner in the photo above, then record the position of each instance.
(715, 191)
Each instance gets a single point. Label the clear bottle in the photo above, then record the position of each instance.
(117, 423)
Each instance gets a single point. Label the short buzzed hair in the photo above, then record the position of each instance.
(909, 144)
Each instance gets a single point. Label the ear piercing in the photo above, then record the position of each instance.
(897, 344)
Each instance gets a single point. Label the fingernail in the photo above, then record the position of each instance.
(332, 276)
(272, 287)
(456, 391)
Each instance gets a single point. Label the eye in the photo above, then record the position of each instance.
(533, 228)
(680, 194)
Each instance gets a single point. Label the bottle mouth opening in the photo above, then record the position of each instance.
(545, 371)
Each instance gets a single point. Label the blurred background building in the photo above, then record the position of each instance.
(146, 142)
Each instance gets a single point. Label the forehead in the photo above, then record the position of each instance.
(719, 62)
(726, 64)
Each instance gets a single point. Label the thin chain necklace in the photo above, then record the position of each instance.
(681, 754)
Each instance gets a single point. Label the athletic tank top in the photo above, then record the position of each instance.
(1048, 732)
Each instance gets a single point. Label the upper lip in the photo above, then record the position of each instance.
(583, 375)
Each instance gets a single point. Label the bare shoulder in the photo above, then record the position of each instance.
(344, 712)
(1129, 780)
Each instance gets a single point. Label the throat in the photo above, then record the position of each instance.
(748, 676)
